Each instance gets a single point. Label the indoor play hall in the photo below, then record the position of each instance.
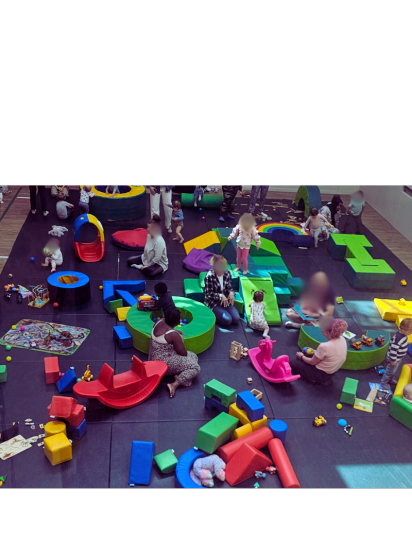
(255, 337)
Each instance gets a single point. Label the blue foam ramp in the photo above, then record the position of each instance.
(122, 336)
(78, 432)
(67, 381)
(110, 287)
(214, 403)
(247, 401)
(141, 461)
(127, 298)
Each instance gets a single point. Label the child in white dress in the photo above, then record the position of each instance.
(53, 254)
(257, 318)
(245, 233)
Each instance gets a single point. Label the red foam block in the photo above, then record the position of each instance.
(281, 460)
(52, 369)
(257, 439)
(244, 463)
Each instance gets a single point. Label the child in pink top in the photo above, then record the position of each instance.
(245, 233)
(315, 227)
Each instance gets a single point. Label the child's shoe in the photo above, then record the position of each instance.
(230, 217)
(222, 219)
(263, 215)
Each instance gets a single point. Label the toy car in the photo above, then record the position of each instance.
(147, 303)
(339, 300)
(319, 421)
(366, 341)
(403, 282)
(260, 475)
(270, 469)
(379, 341)
(356, 345)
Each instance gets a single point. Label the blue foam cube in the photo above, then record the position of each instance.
(67, 381)
(123, 337)
(141, 461)
(247, 401)
(78, 432)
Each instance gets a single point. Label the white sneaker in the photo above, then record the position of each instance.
(137, 266)
(33, 211)
(46, 213)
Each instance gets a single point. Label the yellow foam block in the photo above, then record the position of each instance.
(398, 322)
(121, 313)
(242, 431)
(403, 380)
(239, 414)
(390, 309)
(262, 423)
(205, 240)
(58, 449)
(54, 427)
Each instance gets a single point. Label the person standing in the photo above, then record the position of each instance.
(226, 208)
(263, 189)
(43, 200)
(356, 208)
(165, 192)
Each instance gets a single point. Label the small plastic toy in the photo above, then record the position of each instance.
(203, 217)
(342, 422)
(403, 282)
(308, 351)
(8, 348)
(402, 302)
(8, 358)
(319, 421)
(366, 341)
(236, 351)
(379, 341)
(258, 394)
(147, 303)
(10, 275)
(348, 429)
(22, 329)
(260, 475)
(256, 485)
(32, 259)
(7, 296)
(273, 370)
(88, 376)
(39, 296)
(249, 380)
(13, 327)
(356, 345)
(270, 469)
(55, 304)
(339, 300)
(339, 406)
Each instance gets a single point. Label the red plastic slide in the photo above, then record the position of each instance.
(281, 460)
(90, 252)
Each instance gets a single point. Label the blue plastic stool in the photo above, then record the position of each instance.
(279, 429)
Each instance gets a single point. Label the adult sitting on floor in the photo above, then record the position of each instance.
(219, 296)
(167, 345)
(154, 258)
(328, 358)
(318, 300)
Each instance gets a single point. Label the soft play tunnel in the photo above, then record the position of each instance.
(88, 252)
(128, 204)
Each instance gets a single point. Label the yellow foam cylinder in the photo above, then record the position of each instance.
(242, 431)
(55, 427)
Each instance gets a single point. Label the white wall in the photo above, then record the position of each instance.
(391, 202)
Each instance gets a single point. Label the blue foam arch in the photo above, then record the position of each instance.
(183, 466)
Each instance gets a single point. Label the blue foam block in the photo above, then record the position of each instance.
(127, 298)
(279, 429)
(122, 336)
(78, 432)
(247, 401)
(67, 381)
(141, 461)
(410, 349)
(214, 403)
(110, 287)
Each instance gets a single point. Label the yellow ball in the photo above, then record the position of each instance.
(339, 406)
(101, 287)
(8, 358)
(13, 327)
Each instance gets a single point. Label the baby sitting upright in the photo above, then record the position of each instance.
(53, 254)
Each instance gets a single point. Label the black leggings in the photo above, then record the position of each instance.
(42, 194)
(310, 372)
(151, 271)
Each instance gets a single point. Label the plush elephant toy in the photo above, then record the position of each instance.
(205, 468)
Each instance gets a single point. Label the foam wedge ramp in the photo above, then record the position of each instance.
(249, 284)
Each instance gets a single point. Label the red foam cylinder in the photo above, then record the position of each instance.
(284, 467)
(258, 439)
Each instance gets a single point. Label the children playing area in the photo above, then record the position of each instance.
(148, 343)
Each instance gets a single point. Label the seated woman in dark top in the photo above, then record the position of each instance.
(318, 300)
(165, 300)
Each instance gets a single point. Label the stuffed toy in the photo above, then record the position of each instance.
(57, 231)
(205, 468)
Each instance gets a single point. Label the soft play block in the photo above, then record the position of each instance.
(249, 284)
(222, 234)
(295, 285)
(338, 242)
(216, 432)
(239, 303)
(127, 298)
(390, 309)
(193, 290)
(238, 413)
(310, 196)
(55, 427)
(141, 460)
(77, 416)
(121, 313)
(214, 403)
(201, 242)
(254, 408)
(58, 449)
(401, 411)
(113, 305)
(67, 381)
(242, 431)
(3, 373)
(283, 294)
(380, 276)
(166, 461)
(110, 287)
(244, 420)
(244, 463)
(225, 394)
(77, 432)
(349, 391)
(122, 336)
(267, 248)
(51, 369)
(258, 440)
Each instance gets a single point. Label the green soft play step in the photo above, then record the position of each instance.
(239, 304)
(359, 252)
(401, 411)
(341, 239)
(226, 394)
(193, 290)
(278, 274)
(222, 234)
(283, 294)
(270, 260)
(267, 248)
(113, 305)
(380, 267)
(216, 432)
(249, 284)
(349, 391)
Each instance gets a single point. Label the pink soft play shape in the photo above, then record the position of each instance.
(272, 370)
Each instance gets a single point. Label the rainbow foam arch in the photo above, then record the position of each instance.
(270, 227)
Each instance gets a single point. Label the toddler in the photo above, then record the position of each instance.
(245, 232)
(398, 346)
(63, 208)
(53, 254)
(177, 220)
(60, 189)
(112, 190)
(356, 207)
(315, 226)
(407, 393)
(197, 195)
(257, 318)
(85, 196)
(165, 300)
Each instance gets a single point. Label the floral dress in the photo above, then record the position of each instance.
(257, 318)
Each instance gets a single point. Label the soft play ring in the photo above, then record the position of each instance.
(183, 467)
(198, 333)
(127, 205)
(67, 291)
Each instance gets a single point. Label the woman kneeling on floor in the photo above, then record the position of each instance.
(328, 358)
(167, 345)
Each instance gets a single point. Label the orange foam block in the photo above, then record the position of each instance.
(284, 467)
(244, 463)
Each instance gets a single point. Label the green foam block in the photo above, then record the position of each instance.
(349, 391)
(226, 394)
(3, 373)
(113, 305)
(166, 462)
(216, 432)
